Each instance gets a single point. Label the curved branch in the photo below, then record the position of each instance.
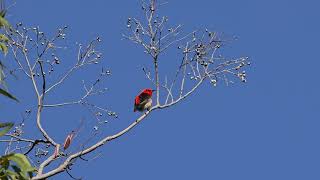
(66, 163)
(37, 141)
(40, 106)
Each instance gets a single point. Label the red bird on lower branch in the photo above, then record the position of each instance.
(143, 101)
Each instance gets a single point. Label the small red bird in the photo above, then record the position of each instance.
(143, 101)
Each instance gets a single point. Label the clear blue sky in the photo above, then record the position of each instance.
(265, 129)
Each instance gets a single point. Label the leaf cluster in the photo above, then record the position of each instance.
(4, 24)
(14, 165)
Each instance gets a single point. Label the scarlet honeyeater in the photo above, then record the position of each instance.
(143, 101)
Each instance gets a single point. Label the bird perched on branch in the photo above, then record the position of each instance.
(143, 101)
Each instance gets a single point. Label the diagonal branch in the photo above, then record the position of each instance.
(92, 148)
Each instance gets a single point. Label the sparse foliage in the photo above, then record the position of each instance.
(36, 57)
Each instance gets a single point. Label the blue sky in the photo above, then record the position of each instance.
(265, 129)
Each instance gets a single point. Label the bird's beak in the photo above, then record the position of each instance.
(153, 90)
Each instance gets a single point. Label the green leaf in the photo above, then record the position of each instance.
(2, 75)
(20, 165)
(3, 13)
(3, 9)
(4, 38)
(22, 175)
(4, 48)
(4, 163)
(4, 22)
(22, 161)
(6, 127)
(12, 175)
(4, 177)
(5, 93)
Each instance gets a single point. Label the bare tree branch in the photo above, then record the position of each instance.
(200, 62)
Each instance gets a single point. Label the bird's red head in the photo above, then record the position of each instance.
(148, 91)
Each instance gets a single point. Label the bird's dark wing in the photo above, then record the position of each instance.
(143, 97)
